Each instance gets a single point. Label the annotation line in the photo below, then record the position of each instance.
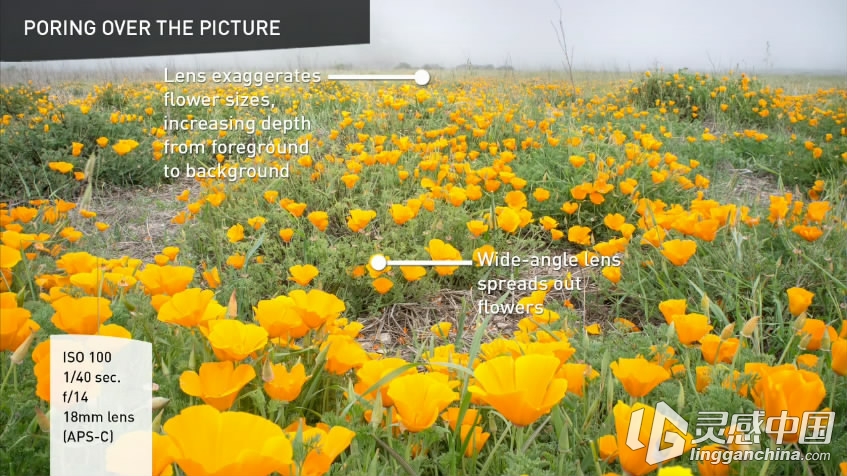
(421, 77)
(427, 262)
(371, 77)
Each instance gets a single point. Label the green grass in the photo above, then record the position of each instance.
(743, 273)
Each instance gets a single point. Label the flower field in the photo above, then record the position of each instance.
(278, 348)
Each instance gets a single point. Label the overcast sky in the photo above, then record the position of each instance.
(808, 35)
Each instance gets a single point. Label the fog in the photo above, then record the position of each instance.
(605, 35)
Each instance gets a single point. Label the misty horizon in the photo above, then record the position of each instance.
(608, 35)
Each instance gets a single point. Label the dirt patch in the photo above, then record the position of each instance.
(140, 219)
(398, 327)
(753, 188)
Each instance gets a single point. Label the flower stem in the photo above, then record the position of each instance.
(6, 377)
(785, 350)
(806, 468)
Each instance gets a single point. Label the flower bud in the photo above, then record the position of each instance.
(750, 327)
(232, 307)
(166, 371)
(671, 332)
(826, 342)
(705, 305)
(159, 402)
(267, 371)
(157, 422)
(20, 354)
(43, 420)
(804, 342)
(727, 331)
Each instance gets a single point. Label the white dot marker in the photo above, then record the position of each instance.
(422, 77)
(378, 262)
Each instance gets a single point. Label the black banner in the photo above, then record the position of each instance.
(35, 30)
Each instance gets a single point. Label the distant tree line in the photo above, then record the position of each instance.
(465, 66)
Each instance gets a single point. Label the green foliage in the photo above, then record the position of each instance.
(739, 275)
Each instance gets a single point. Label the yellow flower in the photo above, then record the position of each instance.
(234, 340)
(679, 252)
(217, 383)
(214, 443)
(577, 160)
(9, 257)
(324, 443)
(607, 446)
(508, 220)
(516, 199)
(193, 307)
(373, 371)
(548, 223)
(419, 398)
(614, 221)
(413, 273)
(316, 307)
(716, 465)
(439, 250)
(675, 471)
(212, 278)
(691, 328)
(816, 211)
(286, 234)
(382, 285)
(477, 227)
(671, 308)
(236, 261)
(256, 222)
(302, 274)
(318, 219)
(165, 279)
(639, 376)
(541, 194)
(808, 233)
(815, 330)
(793, 391)
(124, 146)
(717, 350)
(576, 374)
(16, 325)
(61, 167)
(612, 273)
(839, 356)
(442, 329)
(286, 385)
(235, 233)
(580, 235)
(81, 315)
(359, 219)
(634, 462)
(343, 353)
(570, 208)
(799, 300)
(41, 358)
(401, 213)
(522, 389)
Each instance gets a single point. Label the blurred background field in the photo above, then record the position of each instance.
(722, 191)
